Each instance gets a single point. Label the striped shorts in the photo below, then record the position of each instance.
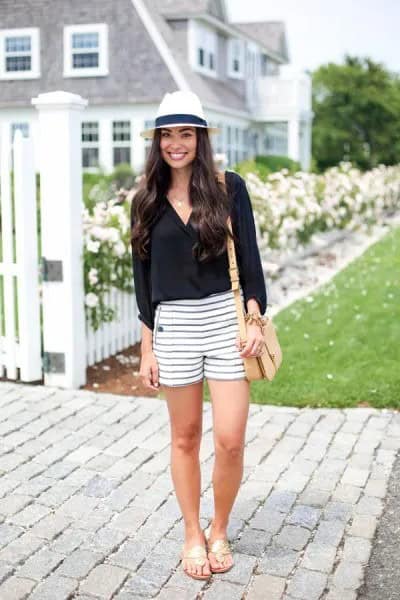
(195, 338)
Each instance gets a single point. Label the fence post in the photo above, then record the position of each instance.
(27, 259)
(64, 335)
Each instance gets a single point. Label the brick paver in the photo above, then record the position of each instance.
(88, 510)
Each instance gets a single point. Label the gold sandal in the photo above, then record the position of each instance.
(199, 555)
(220, 548)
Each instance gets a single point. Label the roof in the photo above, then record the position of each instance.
(211, 90)
(270, 34)
(174, 8)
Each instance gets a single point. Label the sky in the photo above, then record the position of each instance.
(321, 31)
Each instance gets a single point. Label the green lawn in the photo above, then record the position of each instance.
(342, 349)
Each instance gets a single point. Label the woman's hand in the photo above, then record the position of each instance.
(149, 370)
(255, 341)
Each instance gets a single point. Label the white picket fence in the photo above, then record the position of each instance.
(43, 329)
(20, 332)
(118, 334)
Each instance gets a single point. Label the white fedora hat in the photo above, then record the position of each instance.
(177, 109)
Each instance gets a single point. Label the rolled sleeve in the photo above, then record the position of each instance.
(142, 283)
(251, 274)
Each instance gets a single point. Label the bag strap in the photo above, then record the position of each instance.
(233, 271)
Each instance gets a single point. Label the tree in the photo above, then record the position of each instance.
(356, 114)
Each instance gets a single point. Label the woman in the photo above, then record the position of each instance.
(189, 321)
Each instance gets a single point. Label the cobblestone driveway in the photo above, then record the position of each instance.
(87, 508)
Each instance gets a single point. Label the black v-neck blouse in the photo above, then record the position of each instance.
(171, 272)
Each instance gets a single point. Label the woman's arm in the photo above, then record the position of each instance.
(251, 273)
(142, 283)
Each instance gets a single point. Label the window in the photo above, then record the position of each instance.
(236, 58)
(23, 127)
(268, 66)
(276, 138)
(19, 53)
(148, 124)
(203, 48)
(85, 50)
(90, 144)
(121, 142)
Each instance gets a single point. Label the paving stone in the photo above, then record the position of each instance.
(223, 590)
(104, 581)
(337, 510)
(268, 520)
(40, 564)
(6, 570)
(99, 487)
(79, 563)
(338, 594)
(348, 575)
(329, 532)
(369, 505)
(253, 542)
(16, 588)
(293, 537)
(319, 557)
(306, 516)
(307, 584)
(363, 526)
(55, 587)
(266, 587)
(29, 515)
(19, 549)
(312, 496)
(278, 561)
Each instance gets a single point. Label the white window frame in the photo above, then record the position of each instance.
(90, 144)
(102, 30)
(236, 51)
(203, 37)
(34, 72)
(121, 143)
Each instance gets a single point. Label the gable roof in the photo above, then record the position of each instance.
(169, 8)
(212, 92)
(270, 34)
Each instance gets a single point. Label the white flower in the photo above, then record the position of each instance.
(93, 276)
(91, 300)
(119, 248)
(93, 246)
(329, 376)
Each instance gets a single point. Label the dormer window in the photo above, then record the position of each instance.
(19, 53)
(203, 48)
(85, 50)
(236, 58)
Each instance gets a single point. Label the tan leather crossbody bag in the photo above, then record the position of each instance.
(267, 364)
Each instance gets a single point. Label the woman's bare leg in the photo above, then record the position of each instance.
(230, 409)
(185, 407)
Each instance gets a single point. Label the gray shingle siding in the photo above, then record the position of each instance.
(137, 72)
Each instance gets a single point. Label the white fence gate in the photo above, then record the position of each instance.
(56, 342)
(20, 332)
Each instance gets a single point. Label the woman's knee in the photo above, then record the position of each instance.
(231, 448)
(187, 439)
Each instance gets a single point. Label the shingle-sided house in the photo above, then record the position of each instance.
(123, 55)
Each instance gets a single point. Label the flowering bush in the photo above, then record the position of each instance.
(288, 210)
(107, 258)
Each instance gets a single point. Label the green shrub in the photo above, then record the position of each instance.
(265, 165)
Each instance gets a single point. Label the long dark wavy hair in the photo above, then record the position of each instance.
(210, 201)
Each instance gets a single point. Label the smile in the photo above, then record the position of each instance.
(177, 155)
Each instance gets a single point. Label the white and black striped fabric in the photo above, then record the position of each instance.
(195, 338)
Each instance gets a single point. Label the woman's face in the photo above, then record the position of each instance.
(178, 145)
